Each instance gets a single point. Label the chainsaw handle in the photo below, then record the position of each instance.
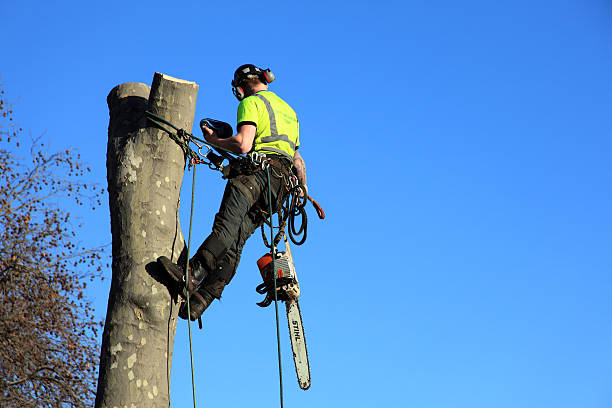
(262, 288)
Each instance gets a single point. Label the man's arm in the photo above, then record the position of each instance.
(299, 168)
(240, 143)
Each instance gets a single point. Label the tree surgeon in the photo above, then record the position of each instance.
(268, 129)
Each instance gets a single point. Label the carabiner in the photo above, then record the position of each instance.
(200, 147)
(200, 150)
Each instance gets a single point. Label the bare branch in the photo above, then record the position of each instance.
(49, 351)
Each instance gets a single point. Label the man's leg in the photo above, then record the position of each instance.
(223, 271)
(216, 280)
(216, 260)
(241, 193)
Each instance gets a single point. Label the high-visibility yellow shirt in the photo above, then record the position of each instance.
(278, 129)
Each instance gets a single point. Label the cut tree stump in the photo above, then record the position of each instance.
(145, 169)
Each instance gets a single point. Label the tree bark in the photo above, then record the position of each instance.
(144, 170)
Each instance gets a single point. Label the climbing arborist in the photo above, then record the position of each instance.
(268, 132)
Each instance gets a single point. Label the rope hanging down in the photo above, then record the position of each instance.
(188, 279)
(275, 277)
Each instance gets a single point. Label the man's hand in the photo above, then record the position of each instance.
(240, 143)
(208, 133)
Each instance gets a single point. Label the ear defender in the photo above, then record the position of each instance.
(268, 75)
(238, 92)
(245, 72)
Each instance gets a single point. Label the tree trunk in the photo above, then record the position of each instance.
(145, 170)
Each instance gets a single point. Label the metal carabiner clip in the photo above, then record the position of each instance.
(255, 158)
(200, 150)
(200, 147)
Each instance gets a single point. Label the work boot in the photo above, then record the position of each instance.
(177, 273)
(198, 303)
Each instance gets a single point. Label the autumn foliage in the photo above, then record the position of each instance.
(48, 334)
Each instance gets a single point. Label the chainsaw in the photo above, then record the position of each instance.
(288, 291)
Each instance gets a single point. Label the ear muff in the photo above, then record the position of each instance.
(268, 75)
(238, 92)
(245, 72)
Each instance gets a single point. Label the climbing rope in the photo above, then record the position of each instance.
(188, 279)
(278, 345)
(293, 208)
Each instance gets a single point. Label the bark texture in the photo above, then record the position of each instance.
(144, 170)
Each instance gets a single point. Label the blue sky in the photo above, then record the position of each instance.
(461, 151)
